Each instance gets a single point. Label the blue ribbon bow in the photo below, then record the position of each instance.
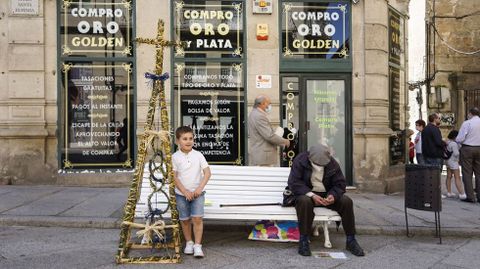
(154, 77)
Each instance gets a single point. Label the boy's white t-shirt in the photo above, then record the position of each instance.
(189, 167)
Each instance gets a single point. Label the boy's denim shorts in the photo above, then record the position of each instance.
(187, 209)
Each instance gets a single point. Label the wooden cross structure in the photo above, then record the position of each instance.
(125, 245)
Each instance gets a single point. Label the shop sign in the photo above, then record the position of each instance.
(96, 28)
(97, 119)
(210, 98)
(210, 27)
(394, 41)
(24, 7)
(316, 29)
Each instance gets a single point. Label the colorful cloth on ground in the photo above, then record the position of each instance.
(280, 231)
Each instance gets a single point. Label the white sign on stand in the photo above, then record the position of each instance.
(24, 7)
(263, 81)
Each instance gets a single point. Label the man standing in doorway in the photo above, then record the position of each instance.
(262, 140)
(432, 143)
(469, 137)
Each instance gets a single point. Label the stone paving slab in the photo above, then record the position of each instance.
(14, 197)
(104, 204)
(56, 203)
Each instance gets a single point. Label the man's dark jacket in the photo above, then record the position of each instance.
(301, 172)
(432, 143)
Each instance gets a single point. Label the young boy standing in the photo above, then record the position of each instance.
(188, 165)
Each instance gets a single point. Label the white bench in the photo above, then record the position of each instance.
(243, 185)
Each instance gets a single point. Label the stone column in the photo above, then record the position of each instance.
(370, 95)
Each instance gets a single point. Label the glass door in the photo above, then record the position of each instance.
(325, 116)
(317, 109)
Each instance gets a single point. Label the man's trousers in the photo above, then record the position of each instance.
(344, 206)
(470, 161)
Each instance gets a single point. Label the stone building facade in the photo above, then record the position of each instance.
(372, 80)
(454, 37)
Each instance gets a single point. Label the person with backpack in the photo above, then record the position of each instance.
(432, 143)
(453, 168)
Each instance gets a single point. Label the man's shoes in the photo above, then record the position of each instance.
(188, 248)
(462, 196)
(304, 246)
(467, 200)
(355, 248)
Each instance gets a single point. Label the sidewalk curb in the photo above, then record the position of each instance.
(66, 222)
(114, 223)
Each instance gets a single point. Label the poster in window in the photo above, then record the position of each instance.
(316, 30)
(96, 28)
(209, 29)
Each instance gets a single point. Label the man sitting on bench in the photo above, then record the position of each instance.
(317, 180)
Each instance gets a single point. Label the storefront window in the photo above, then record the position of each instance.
(209, 97)
(208, 82)
(395, 33)
(96, 92)
(319, 30)
(97, 121)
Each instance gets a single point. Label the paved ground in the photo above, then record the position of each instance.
(77, 227)
(82, 207)
(40, 247)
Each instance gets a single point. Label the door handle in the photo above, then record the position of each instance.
(307, 125)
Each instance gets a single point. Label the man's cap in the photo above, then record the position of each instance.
(319, 154)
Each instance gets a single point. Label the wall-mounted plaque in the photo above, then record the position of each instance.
(209, 97)
(262, 6)
(97, 117)
(24, 7)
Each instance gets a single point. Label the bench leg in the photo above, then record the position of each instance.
(326, 235)
(316, 227)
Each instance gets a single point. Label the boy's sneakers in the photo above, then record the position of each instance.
(197, 251)
(462, 196)
(189, 248)
(450, 195)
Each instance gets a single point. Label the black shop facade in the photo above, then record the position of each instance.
(209, 79)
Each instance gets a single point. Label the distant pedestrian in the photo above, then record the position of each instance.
(419, 125)
(469, 137)
(411, 146)
(432, 143)
(453, 168)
